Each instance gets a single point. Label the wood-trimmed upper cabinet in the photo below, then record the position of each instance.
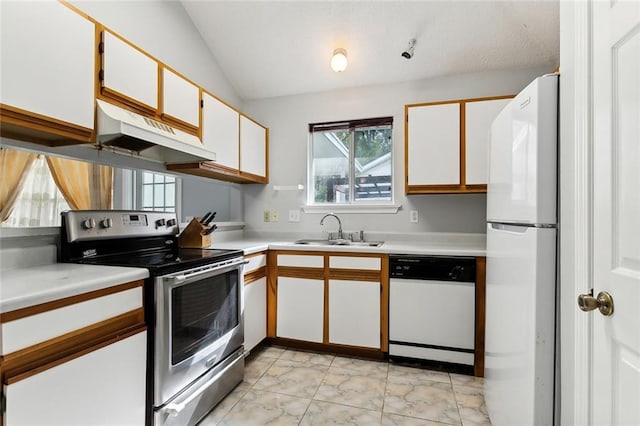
(446, 145)
(253, 150)
(221, 131)
(478, 118)
(48, 77)
(129, 75)
(180, 101)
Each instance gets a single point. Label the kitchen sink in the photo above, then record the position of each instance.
(340, 243)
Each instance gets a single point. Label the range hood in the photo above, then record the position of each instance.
(128, 132)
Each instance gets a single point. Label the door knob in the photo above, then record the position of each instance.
(604, 303)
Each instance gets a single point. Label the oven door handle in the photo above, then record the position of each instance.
(181, 278)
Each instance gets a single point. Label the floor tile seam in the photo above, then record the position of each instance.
(423, 419)
(348, 406)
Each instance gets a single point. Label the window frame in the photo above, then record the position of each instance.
(353, 205)
(128, 190)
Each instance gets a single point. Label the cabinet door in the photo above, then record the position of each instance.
(433, 144)
(253, 147)
(255, 313)
(354, 323)
(48, 61)
(129, 74)
(300, 310)
(180, 99)
(221, 131)
(478, 118)
(106, 387)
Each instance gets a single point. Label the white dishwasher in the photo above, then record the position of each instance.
(432, 310)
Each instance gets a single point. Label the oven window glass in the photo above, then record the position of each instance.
(202, 312)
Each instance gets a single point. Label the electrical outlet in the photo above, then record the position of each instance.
(413, 216)
(266, 216)
(275, 216)
(294, 215)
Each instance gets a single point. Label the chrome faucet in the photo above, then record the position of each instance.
(340, 237)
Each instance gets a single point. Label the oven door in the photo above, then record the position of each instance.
(199, 323)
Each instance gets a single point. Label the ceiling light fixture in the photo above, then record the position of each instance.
(339, 60)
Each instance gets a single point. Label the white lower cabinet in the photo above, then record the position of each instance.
(300, 310)
(255, 312)
(103, 387)
(354, 313)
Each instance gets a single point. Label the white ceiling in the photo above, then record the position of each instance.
(269, 48)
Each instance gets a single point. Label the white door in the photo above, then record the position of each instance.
(616, 216)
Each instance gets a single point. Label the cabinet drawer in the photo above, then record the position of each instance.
(301, 260)
(33, 329)
(348, 262)
(255, 262)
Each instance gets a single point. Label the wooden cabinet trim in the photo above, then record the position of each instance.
(272, 292)
(480, 320)
(34, 359)
(384, 304)
(71, 300)
(454, 101)
(258, 253)
(300, 272)
(255, 275)
(354, 275)
(45, 129)
(212, 170)
(251, 178)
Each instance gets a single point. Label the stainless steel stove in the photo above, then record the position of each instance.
(193, 306)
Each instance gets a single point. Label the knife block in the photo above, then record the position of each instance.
(191, 236)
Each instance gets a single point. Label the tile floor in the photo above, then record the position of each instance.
(291, 387)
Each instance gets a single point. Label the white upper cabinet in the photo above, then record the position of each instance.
(180, 99)
(48, 62)
(447, 143)
(221, 131)
(253, 147)
(478, 118)
(128, 73)
(433, 145)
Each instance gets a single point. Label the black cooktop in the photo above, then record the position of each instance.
(163, 262)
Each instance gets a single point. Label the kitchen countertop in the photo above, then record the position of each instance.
(28, 286)
(454, 246)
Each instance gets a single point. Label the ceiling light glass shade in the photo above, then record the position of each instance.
(339, 60)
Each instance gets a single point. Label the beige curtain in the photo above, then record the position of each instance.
(14, 168)
(84, 185)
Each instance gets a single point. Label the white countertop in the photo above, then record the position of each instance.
(454, 246)
(28, 286)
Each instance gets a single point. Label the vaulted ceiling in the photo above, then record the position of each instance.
(268, 48)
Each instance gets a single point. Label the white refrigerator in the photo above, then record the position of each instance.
(521, 258)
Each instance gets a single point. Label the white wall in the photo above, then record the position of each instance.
(288, 118)
(164, 30)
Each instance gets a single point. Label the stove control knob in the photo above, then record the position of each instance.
(89, 223)
(107, 222)
(171, 222)
(160, 222)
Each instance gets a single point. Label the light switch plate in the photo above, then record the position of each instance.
(266, 216)
(413, 216)
(294, 215)
(275, 216)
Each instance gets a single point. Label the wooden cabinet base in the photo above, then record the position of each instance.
(328, 348)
